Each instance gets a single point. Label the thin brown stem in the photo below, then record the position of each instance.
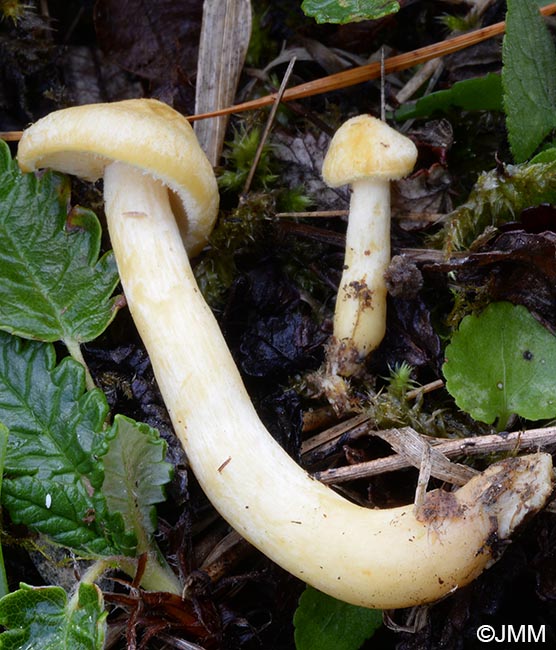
(267, 128)
(513, 442)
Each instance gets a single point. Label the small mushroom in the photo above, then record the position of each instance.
(367, 154)
(376, 558)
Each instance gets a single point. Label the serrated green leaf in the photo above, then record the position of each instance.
(528, 78)
(135, 476)
(52, 284)
(42, 618)
(348, 11)
(324, 623)
(55, 426)
(4, 589)
(480, 94)
(52, 474)
(501, 363)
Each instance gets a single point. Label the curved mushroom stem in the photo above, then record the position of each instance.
(384, 559)
(360, 314)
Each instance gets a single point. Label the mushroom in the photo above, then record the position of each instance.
(366, 153)
(389, 558)
(143, 136)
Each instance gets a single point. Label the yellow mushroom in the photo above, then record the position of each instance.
(376, 558)
(367, 154)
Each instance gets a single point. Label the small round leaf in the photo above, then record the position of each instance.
(502, 362)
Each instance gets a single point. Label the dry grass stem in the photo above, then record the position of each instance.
(421, 453)
(422, 390)
(11, 136)
(425, 469)
(268, 126)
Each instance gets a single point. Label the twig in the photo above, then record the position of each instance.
(422, 390)
(476, 446)
(420, 452)
(11, 136)
(333, 433)
(268, 126)
(418, 79)
(425, 471)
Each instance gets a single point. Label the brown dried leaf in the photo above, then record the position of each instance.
(516, 266)
(427, 192)
(301, 156)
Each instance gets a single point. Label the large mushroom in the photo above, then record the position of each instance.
(367, 154)
(389, 558)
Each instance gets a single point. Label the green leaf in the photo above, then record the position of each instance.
(348, 11)
(42, 618)
(324, 623)
(528, 78)
(480, 94)
(52, 284)
(53, 472)
(500, 363)
(135, 476)
(545, 156)
(4, 589)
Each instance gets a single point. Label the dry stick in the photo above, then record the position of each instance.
(372, 70)
(477, 446)
(423, 453)
(426, 388)
(418, 79)
(333, 432)
(10, 136)
(268, 126)
(425, 472)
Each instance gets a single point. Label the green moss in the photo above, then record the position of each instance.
(498, 196)
(240, 156)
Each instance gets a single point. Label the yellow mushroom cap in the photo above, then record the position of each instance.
(144, 133)
(365, 147)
